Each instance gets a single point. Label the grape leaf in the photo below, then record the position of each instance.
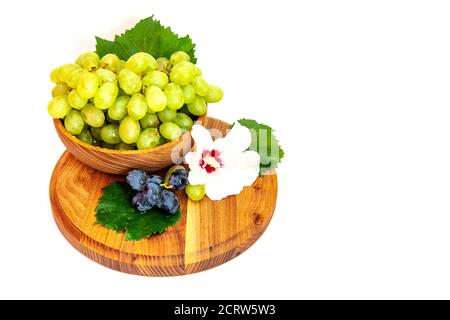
(115, 211)
(265, 143)
(148, 35)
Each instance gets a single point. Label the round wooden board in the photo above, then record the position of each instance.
(208, 234)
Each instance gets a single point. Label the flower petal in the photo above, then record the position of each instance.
(238, 139)
(239, 171)
(198, 176)
(202, 137)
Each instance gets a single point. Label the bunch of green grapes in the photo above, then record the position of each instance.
(126, 105)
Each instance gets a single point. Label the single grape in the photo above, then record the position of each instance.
(137, 179)
(125, 147)
(163, 65)
(93, 116)
(170, 130)
(175, 96)
(86, 136)
(215, 94)
(150, 120)
(73, 122)
(59, 107)
(177, 177)
(118, 110)
(129, 81)
(110, 134)
(88, 60)
(60, 89)
(137, 106)
(156, 99)
(141, 62)
(120, 66)
(110, 62)
(149, 138)
(129, 130)
(184, 121)
(188, 93)
(87, 85)
(106, 95)
(54, 76)
(179, 56)
(167, 115)
(200, 85)
(75, 100)
(105, 75)
(182, 73)
(154, 179)
(195, 192)
(169, 202)
(198, 107)
(156, 78)
(153, 194)
(198, 72)
(140, 203)
(65, 70)
(96, 133)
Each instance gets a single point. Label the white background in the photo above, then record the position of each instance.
(359, 93)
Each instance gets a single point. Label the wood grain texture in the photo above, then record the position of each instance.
(209, 233)
(120, 161)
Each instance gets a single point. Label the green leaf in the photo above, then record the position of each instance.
(265, 143)
(115, 211)
(148, 35)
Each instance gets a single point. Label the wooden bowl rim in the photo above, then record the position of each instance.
(168, 145)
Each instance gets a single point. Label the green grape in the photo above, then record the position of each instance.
(96, 133)
(170, 130)
(86, 136)
(93, 116)
(110, 120)
(141, 62)
(110, 62)
(75, 76)
(120, 66)
(137, 107)
(87, 85)
(75, 100)
(182, 73)
(179, 56)
(107, 145)
(167, 115)
(106, 95)
(105, 75)
(60, 89)
(54, 76)
(73, 122)
(88, 60)
(129, 81)
(59, 107)
(184, 121)
(156, 99)
(118, 110)
(156, 78)
(149, 120)
(200, 85)
(198, 107)
(188, 93)
(65, 70)
(195, 192)
(198, 72)
(215, 94)
(110, 134)
(175, 96)
(125, 146)
(129, 130)
(163, 65)
(149, 138)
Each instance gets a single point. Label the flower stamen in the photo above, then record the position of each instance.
(210, 160)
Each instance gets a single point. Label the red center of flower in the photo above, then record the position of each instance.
(210, 160)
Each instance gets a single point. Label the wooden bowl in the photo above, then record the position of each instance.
(120, 161)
